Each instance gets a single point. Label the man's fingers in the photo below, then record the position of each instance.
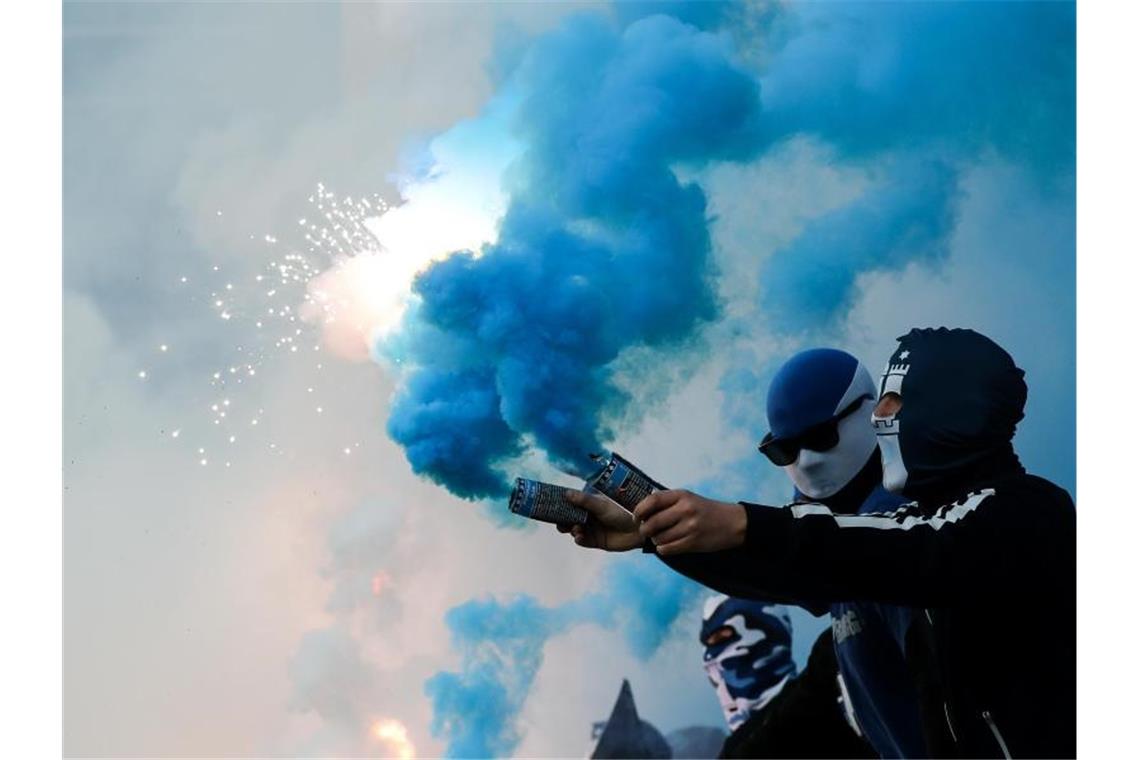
(655, 502)
(648, 506)
(564, 527)
(662, 521)
(679, 546)
(582, 537)
(674, 533)
(591, 502)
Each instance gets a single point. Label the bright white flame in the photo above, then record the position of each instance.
(363, 297)
(395, 735)
(352, 277)
(456, 207)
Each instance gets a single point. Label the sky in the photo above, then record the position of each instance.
(290, 407)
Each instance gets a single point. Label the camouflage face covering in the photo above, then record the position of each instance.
(748, 655)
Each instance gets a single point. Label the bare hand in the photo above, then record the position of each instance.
(680, 522)
(611, 527)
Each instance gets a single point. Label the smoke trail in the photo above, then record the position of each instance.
(501, 644)
(941, 83)
(702, 15)
(602, 248)
(329, 674)
(906, 216)
(971, 77)
(359, 545)
(330, 677)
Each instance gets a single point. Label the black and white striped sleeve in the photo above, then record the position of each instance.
(908, 557)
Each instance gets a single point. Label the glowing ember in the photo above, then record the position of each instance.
(395, 736)
(379, 581)
(261, 344)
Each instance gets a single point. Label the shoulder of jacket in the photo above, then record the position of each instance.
(1033, 490)
(1036, 482)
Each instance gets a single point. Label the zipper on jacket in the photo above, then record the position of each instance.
(997, 734)
(945, 705)
(949, 724)
(848, 707)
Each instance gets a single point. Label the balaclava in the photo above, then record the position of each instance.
(962, 397)
(812, 387)
(751, 657)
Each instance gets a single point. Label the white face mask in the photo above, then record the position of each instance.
(819, 474)
(894, 469)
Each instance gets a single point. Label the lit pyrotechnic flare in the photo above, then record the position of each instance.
(364, 294)
(343, 278)
(394, 735)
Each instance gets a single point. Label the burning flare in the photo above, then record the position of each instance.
(395, 735)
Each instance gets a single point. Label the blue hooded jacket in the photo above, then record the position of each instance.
(870, 639)
(870, 647)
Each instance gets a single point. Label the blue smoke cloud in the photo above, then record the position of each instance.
(449, 424)
(705, 14)
(970, 77)
(905, 216)
(501, 644)
(942, 84)
(598, 233)
(523, 333)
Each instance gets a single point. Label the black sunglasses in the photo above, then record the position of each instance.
(822, 437)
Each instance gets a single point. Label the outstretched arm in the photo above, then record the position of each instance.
(973, 547)
(982, 545)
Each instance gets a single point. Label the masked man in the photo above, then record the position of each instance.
(821, 434)
(984, 551)
(771, 711)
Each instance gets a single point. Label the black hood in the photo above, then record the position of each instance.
(962, 397)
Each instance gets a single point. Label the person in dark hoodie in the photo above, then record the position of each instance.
(985, 552)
